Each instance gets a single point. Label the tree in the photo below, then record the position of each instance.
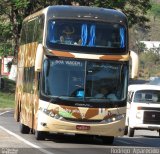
(149, 63)
(15, 11)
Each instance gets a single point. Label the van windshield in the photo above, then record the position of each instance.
(147, 96)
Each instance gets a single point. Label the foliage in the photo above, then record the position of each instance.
(155, 10)
(149, 63)
(134, 9)
(5, 35)
(138, 33)
(141, 47)
(6, 49)
(7, 94)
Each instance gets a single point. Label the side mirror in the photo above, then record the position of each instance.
(39, 58)
(135, 59)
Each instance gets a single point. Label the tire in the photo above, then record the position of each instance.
(40, 135)
(108, 140)
(130, 131)
(126, 130)
(24, 129)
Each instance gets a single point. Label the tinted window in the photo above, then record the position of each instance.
(144, 96)
(79, 79)
(28, 79)
(83, 34)
(32, 31)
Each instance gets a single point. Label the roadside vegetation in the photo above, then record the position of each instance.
(7, 94)
(149, 59)
(149, 64)
(155, 11)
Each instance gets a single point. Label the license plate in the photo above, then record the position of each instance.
(82, 127)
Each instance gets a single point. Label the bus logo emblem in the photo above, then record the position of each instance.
(153, 115)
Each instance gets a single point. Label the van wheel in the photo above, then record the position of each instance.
(24, 129)
(40, 135)
(126, 130)
(108, 140)
(130, 131)
(159, 132)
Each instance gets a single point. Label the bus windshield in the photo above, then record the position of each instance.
(91, 81)
(82, 34)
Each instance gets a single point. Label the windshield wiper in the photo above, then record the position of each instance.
(58, 98)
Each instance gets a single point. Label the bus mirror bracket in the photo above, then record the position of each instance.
(135, 59)
(39, 58)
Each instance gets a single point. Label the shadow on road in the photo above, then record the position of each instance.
(76, 139)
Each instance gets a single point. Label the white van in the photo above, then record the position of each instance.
(143, 108)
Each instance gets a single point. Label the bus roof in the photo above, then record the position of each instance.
(82, 13)
(85, 12)
(137, 87)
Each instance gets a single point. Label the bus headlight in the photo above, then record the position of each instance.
(113, 119)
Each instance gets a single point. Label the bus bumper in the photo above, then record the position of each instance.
(53, 125)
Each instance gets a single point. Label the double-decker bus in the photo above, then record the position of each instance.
(73, 68)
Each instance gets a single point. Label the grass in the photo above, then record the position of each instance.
(155, 10)
(7, 94)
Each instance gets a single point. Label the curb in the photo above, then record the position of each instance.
(6, 109)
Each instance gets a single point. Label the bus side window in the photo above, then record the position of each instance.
(31, 31)
(34, 30)
(39, 26)
(23, 34)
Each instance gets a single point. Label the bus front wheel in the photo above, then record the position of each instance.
(24, 129)
(108, 140)
(126, 130)
(40, 135)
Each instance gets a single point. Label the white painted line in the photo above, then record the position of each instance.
(4, 112)
(26, 142)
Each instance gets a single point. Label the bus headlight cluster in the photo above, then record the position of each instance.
(113, 119)
(51, 114)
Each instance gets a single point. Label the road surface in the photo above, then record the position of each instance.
(13, 142)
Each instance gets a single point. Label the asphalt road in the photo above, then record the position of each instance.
(13, 142)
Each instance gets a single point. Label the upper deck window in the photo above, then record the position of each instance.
(78, 35)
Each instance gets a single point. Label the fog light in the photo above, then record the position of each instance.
(43, 124)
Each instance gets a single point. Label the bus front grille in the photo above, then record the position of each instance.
(83, 120)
